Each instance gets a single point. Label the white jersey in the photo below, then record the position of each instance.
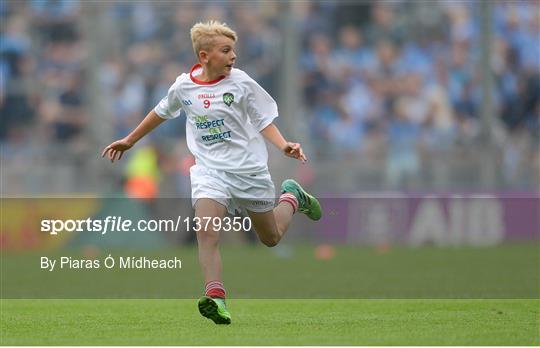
(224, 119)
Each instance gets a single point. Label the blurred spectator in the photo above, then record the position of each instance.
(144, 21)
(71, 119)
(314, 17)
(317, 68)
(258, 48)
(142, 173)
(461, 26)
(15, 68)
(55, 20)
(403, 162)
(352, 58)
(62, 107)
(384, 25)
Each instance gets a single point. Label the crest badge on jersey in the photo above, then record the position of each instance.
(228, 98)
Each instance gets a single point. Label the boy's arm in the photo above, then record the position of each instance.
(273, 135)
(151, 121)
(117, 148)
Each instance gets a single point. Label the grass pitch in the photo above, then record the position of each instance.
(272, 322)
(403, 296)
(501, 272)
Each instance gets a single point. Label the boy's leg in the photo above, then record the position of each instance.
(208, 240)
(212, 304)
(300, 199)
(271, 226)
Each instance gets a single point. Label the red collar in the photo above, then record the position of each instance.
(199, 82)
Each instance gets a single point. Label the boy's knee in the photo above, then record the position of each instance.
(270, 241)
(209, 236)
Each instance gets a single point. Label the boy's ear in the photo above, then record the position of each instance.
(203, 56)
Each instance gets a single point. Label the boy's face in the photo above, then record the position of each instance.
(221, 57)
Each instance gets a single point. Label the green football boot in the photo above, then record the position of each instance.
(307, 204)
(214, 309)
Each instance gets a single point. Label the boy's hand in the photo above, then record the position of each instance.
(295, 151)
(117, 149)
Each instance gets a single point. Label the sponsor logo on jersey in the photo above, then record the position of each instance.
(206, 96)
(214, 129)
(263, 203)
(228, 98)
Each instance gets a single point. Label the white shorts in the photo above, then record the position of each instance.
(254, 192)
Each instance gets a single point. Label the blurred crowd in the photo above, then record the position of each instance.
(42, 68)
(55, 52)
(389, 82)
(407, 81)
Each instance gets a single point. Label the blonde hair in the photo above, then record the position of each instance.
(203, 34)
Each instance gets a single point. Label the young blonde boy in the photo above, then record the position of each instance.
(228, 117)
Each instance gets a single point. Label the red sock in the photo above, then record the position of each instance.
(214, 289)
(291, 199)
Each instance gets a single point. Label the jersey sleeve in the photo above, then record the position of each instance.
(260, 106)
(171, 105)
